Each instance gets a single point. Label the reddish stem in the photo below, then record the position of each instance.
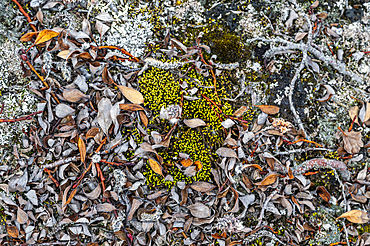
(27, 117)
(25, 14)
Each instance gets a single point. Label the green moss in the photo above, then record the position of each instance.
(162, 89)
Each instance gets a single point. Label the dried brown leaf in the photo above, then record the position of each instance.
(323, 193)
(226, 152)
(63, 54)
(193, 123)
(322, 15)
(240, 111)
(131, 107)
(198, 164)
(45, 35)
(12, 231)
(22, 217)
(28, 36)
(356, 216)
(300, 36)
(40, 16)
(247, 182)
(270, 179)
(186, 162)
(315, 4)
(92, 132)
(268, 109)
(202, 186)
(73, 95)
(131, 94)
(135, 205)
(352, 142)
(94, 194)
(144, 118)
(199, 210)
(105, 207)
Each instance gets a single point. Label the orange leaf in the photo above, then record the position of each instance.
(82, 148)
(154, 165)
(290, 173)
(198, 164)
(144, 118)
(186, 162)
(12, 231)
(268, 109)
(270, 179)
(73, 193)
(28, 36)
(252, 165)
(45, 35)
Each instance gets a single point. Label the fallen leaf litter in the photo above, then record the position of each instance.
(170, 145)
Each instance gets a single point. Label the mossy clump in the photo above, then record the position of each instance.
(161, 89)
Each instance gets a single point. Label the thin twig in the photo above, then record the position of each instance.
(303, 150)
(26, 15)
(346, 233)
(27, 117)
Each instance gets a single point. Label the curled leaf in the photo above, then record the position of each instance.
(193, 123)
(268, 109)
(329, 94)
(356, 216)
(94, 194)
(92, 132)
(82, 149)
(322, 15)
(131, 107)
(198, 164)
(131, 94)
(323, 193)
(315, 4)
